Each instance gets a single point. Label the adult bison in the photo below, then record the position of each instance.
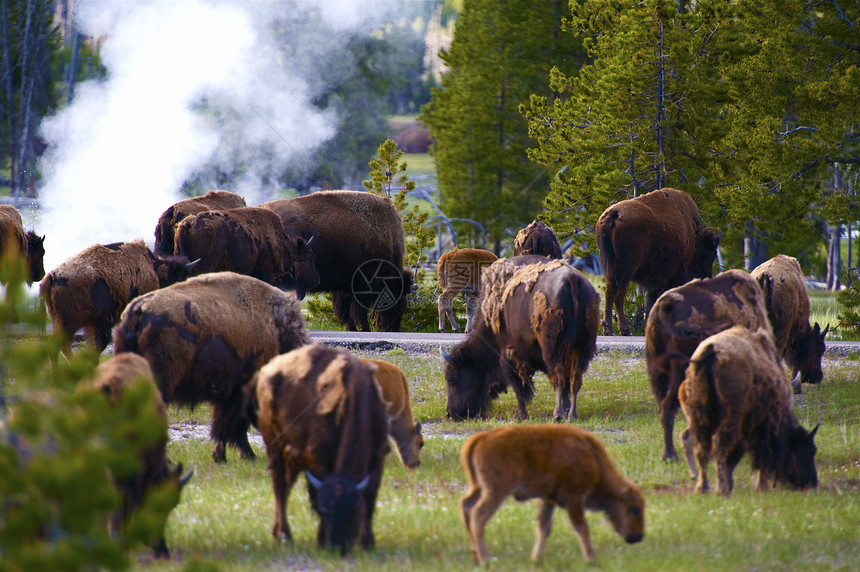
(537, 238)
(206, 337)
(92, 288)
(114, 377)
(247, 240)
(28, 244)
(460, 271)
(320, 411)
(684, 316)
(165, 229)
(535, 314)
(359, 244)
(560, 465)
(737, 400)
(787, 304)
(656, 240)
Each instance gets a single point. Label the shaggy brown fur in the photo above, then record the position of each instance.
(114, 377)
(92, 288)
(787, 303)
(247, 240)
(560, 465)
(737, 399)
(544, 316)
(320, 410)
(28, 244)
(460, 271)
(405, 432)
(166, 227)
(206, 337)
(359, 245)
(537, 238)
(683, 317)
(656, 240)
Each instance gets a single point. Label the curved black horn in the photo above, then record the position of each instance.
(446, 355)
(184, 480)
(190, 266)
(815, 430)
(795, 383)
(315, 482)
(363, 484)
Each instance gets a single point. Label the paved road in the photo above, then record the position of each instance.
(430, 342)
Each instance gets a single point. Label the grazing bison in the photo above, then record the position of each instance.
(535, 314)
(114, 377)
(166, 227)
(460, 271)
(737, 400)
(560, 465)
(537, 238)
(358, 242)
(27, 244)
(656, 240)
(320, 410)
(92, 288)
(206, 337)
(787, 304)
(405, 432)
(247, 240)
(684, 316)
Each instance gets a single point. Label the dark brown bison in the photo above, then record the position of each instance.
(27, 244)
(320, 411)
(537, 238)
(206, 337)
(92, 288)
(787, 304)
(560, 465)
(737, 400)
(247, 240)
(359, 244)
(656, 240)
(535, 315)
(684, 316)
(460, 271)
(114, 377)
(165, 229)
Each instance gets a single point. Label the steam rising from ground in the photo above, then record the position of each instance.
(188, 84)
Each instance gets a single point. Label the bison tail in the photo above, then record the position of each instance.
(467, 459)
(249, 401)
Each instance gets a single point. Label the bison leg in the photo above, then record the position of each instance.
(544, 527)
(611, 291)
(229, 426)
(446, 309)
(577, 519)
(561, 382)
(471, 300)
(341, 303)
(467, 502)
(689, 455)
(520, 376)
(667, 420)
(481, 513)
(283, 479)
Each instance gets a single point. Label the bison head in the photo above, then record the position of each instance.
(702, 265)
(467, 375)
(35, 255)
(627, 514)
(301, 274)
(799, 469)
(410, 449)
(172, 269)
(340, 504)
(806, 358)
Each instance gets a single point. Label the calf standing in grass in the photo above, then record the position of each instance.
(405, 432)
(737, 399)
(560, 465)
(460, 271)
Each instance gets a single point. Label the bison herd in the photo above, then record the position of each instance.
(212, 314)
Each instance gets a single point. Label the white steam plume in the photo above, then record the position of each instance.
(122, 150)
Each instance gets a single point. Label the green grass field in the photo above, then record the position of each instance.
(225, 517)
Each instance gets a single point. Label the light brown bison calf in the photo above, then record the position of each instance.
(460, 271)
(405, 432)
(114, 377)
(560, 465)
(737, 399)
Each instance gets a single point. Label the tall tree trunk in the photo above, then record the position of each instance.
(659, 162)
(755, 251)
(834, 258)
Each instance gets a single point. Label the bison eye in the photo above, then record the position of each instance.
(634, 510)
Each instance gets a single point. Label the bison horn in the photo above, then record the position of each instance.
(315, 482)
(363, 484)
(184, 480)
(310, 240)
(814, 431)
(446, 355)
(192, 264)
(795, 383)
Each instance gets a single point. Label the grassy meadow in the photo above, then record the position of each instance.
(224, 519)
